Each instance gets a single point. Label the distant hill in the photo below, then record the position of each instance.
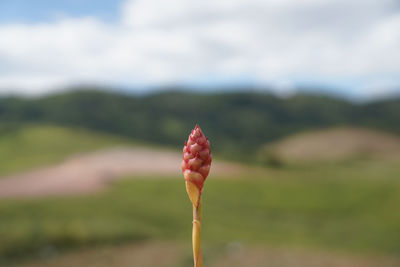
(237, 123)
(335, 144)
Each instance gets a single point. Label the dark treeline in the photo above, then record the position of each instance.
(235, 121)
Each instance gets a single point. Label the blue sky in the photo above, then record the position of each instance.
(344, 47)
(36, 11)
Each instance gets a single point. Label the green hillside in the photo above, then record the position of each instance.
(238, 123)
(26, 147)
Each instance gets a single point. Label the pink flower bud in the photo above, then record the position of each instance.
(196, 158)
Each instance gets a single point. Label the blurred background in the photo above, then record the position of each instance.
(299, 98)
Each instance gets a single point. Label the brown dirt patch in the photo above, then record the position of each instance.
(336, 144)
(165, 254)
(140, 255)
(94, 171)
(270, 257)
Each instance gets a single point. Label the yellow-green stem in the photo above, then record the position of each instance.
(196, 235)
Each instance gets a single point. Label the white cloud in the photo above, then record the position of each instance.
(179, 41)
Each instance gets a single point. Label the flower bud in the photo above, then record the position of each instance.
(196, 163)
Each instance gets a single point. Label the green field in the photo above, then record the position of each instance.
(350, 207)
(23, 148)
(275, 208)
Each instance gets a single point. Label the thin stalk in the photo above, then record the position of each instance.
(196, 235)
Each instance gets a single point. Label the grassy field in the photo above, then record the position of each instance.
(348, 206)
(27, 147)
(288, 207)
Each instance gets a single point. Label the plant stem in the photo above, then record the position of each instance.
(196, 235)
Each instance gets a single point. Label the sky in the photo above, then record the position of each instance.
(344, 47)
